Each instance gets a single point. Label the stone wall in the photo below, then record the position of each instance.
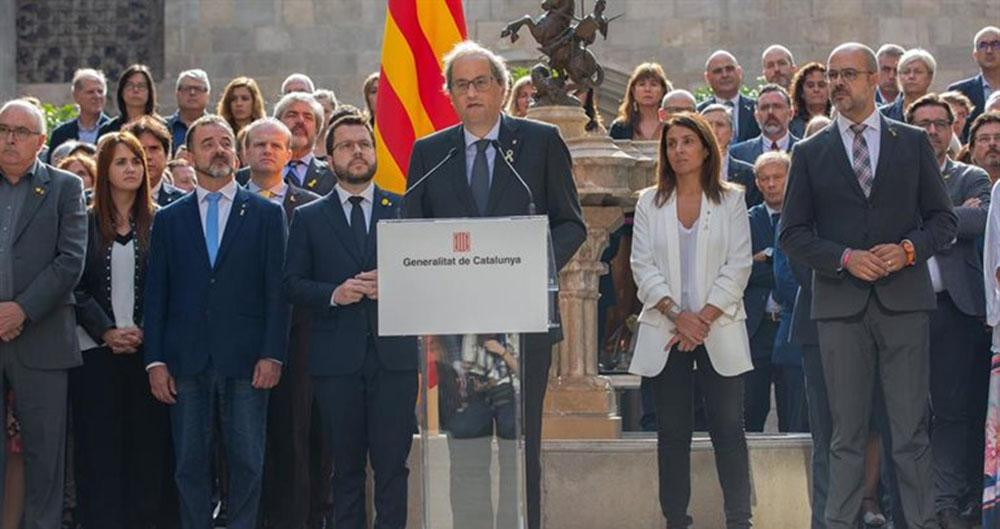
(338, 42)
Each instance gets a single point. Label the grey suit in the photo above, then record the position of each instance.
(47, 248)
(957, 335)
(873, 335)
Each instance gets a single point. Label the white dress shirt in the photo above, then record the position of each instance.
(123, 283)
(225, 206)
(872, 135)
(470, 150)
(782, 142)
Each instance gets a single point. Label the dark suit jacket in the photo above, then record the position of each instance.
(94, 311)
(894, 110)
(295, 198)
(113, 125)
(319, 178)
(70, 130)
(741, 173)
(322, 254)
(825, 213)
(167, 194)
(748, 123)
(960, 264)
(761, 281)
(973, 89)
(786, 352)
(748, 151)
(48, 251)
(803, 330)
(232, 314)
(539, 155)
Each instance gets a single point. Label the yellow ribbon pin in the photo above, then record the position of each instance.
(385, 202)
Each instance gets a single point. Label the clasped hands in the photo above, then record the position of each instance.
(876, 263)
(356, 288)
(691, 328)
(12, 319)
(123, 341)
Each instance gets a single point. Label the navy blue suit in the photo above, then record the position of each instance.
(741, 173)
(167, 194)
(787, 357)
(894, 110)
(211, 325)
(70, 130)
(748, 151)
(366, 385)
(973, 89)
(747, 121)
(761, 326)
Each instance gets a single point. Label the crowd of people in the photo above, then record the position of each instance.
(192, 298)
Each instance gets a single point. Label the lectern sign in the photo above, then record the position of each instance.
(462, 276)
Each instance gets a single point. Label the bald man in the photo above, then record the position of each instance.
(725, 76)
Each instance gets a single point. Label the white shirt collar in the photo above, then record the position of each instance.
(873, 121)
(307, 159)
(770, 212)
(782, 142)
(368, 194)
(493, 134)
(228, 191)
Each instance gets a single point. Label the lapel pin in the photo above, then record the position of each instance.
(892, 130)
(243, 209)
(311, 184)
(509, 156)
(40, 191)
(385, 202)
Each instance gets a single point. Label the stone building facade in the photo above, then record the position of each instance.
(338, 42)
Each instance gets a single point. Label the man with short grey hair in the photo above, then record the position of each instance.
(675, 102)
(297, 82)
(986, 52)
(193, 92)
(915, 75)
(778, 65)
(888, 61)
(43, 229)
(89, 93)
(719, 116)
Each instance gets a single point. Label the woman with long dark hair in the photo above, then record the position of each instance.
(136, 97)
(691, 262)
(810, 97)
(241, 103)
(637, 116)
(121, 432)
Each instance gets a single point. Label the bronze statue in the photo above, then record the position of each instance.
(563, 39)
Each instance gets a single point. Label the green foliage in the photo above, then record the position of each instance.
(518, 72)
(55, 115)
(704, 92)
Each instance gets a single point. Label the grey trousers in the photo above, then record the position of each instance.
(878, 350)
(40, 402)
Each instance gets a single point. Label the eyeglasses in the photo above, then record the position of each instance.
(20, 133)
(139, 87)
(849, 74)
(481, 84)
(193, 89)
(989, 44)
(980, 138)
(938, 123)
(349, 146)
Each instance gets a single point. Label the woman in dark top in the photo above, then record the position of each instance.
(136, 97)
(121, 432)
(810, 97)
(637, 116)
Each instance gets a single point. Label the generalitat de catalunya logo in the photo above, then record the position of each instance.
(461, 242)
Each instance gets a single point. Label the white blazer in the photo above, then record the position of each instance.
(723, 268)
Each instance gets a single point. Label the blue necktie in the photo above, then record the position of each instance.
(212, 226)
(480, 182)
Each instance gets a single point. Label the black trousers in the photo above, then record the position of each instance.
(122, 442)
(369, 415)
(758, 382)
(672, 391)
(953, 350)
(535, 364)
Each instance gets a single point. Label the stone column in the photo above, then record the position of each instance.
(580, 403)
(8, 49)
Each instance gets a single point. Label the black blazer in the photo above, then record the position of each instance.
(894, 110)
(93, 295)
(748, 123)
(70, 130)
(825, 213)
(319, 178)
(741, 173)
(167, 194)
(973, 89)
(322, 254)
(537, 152)
(761, 281)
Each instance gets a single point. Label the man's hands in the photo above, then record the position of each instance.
(11, 320)
(162, 384)
(266, 374)
(356, 288)
(879, 262)
(123, 341)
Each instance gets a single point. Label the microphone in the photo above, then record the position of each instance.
(402, 201)
(531, 196)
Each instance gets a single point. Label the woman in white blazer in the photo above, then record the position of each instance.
(691, 261)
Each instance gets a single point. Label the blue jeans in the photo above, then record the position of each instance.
(243, 411)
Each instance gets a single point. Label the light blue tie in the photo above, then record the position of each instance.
(212, 226)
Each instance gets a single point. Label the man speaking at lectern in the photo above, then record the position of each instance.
(477, 166)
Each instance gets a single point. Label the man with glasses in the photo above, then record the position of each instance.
(90, 90)
(725, 76)
(43, 239)
(193, 92)
(476, 181)
(984, 143)
(956, 329)
(986, 52)
(675, 102)
(865, 208)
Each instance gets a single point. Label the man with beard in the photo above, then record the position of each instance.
(957, 337)
(366, 385)
(216, 325)
(155, 140)
(773, 114)
(865, 208)
(984, 143)
(725, 76)
(778, 65)
(297, 466)
(303, 115)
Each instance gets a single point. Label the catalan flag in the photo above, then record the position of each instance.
(410, 103)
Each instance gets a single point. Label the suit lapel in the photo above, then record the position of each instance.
(837, 156)
(887, 147)
(233, 223)
(33, 200)
(459, 180)
(503, 178)
(704, 227)
(311, 181)
(335, 214)
(381, 209)
(977, 92)
(671, 224)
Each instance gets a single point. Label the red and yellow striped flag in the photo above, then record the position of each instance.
(410, 103)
